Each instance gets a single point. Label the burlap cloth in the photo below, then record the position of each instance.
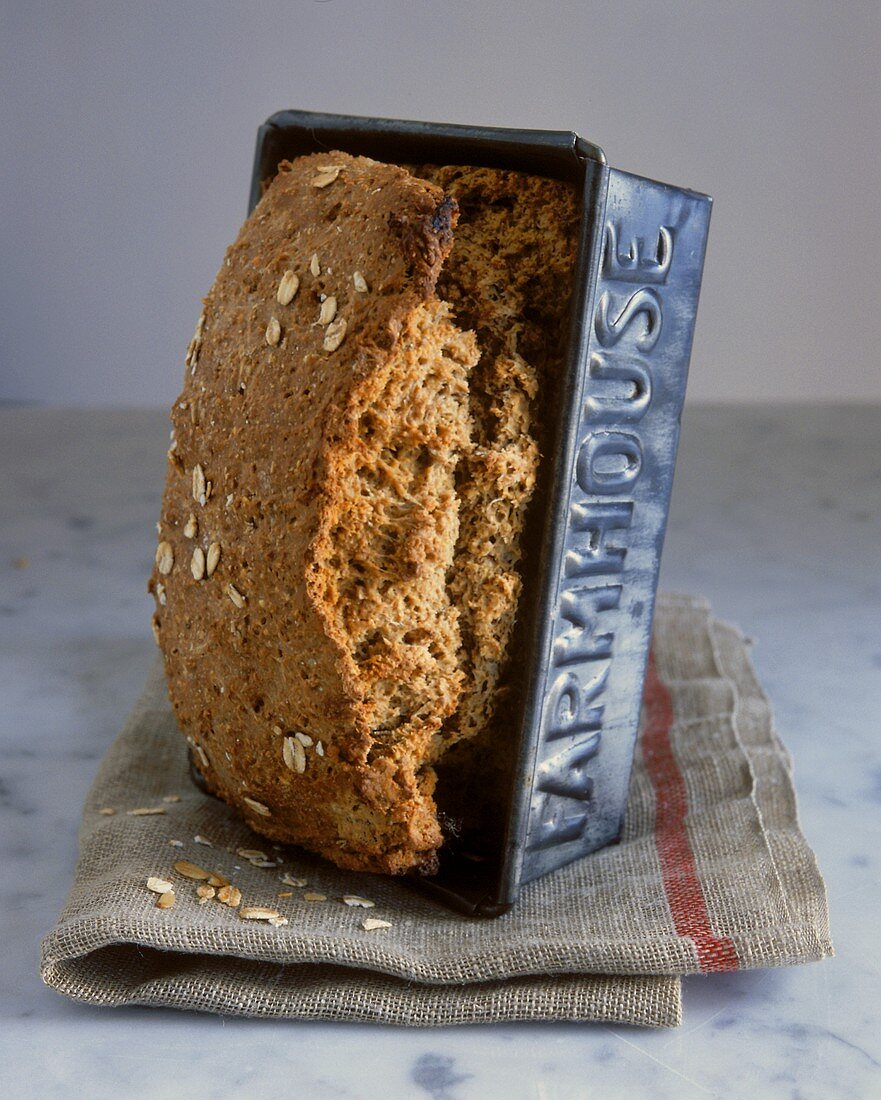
(712, 874)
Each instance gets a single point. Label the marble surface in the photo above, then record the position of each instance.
(776, 518)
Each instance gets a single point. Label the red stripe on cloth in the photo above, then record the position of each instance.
(678, 869)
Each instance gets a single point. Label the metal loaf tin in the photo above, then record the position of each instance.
(584, 626)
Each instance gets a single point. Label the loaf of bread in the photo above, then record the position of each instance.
(354, 454)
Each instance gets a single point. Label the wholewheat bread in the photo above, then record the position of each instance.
(354, 453)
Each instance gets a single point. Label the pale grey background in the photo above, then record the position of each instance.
(127, 131)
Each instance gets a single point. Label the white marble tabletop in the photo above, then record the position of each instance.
(776, 518)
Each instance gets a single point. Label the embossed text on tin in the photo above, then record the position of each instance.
(627, 325)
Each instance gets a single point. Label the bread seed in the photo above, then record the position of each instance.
(294, 755)
(314, 265)
(328, 311)
(273, 332)
(360, 282)
(164, 558)
(287, 288)
(373, 923)
(191, 870)
(192, 526)
(326, 176)
(160, 593)
(304, 739)
(159, 885)
(165, 901)
(213, 558)
(200, 752)
(357, 902)
(237, 598)
(199, 484)
(197, 564)
(195, 345)
(319, 748)
(335, 334)
(257, 807)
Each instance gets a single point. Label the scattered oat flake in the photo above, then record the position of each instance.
(359, 282)
(199, 839)
(287, 288)
(289, 880)
(107, 811)
(328, 311)
(146, 811)
(159, 885)
(273, 332)
(314, 897)
(191, 870)
(237, 598)
(165, 901)
(263, 863)
(334, 334)
(164, 558)
(230, 895)
(214, 879)
(315, 265)
(212, 558)
(171, 798)
(257, 807)
(372, 923)
(326, 176)
(205, 891)
(358, 902)
(176, 843)
(278, 922)
(257, 912)
(251, 853)
(285, 894)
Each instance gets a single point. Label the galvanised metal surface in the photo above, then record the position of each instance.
(632, 361)
(585, 625)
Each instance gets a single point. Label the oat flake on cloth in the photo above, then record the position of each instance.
(712, 874)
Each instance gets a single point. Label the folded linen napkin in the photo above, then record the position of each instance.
(712, 873)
